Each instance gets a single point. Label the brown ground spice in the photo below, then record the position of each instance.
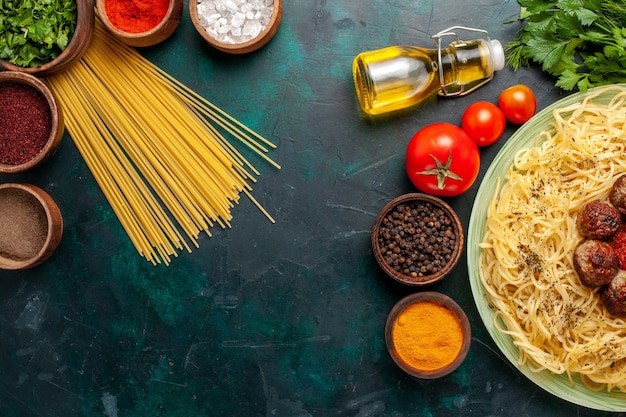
(23, 225)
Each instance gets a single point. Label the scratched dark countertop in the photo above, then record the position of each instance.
(263, 319)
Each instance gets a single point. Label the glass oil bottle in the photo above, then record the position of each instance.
(399, 77)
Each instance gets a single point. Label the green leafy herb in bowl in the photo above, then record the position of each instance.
(581, 42)
(34, 32)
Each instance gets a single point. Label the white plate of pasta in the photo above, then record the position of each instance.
(521, 237)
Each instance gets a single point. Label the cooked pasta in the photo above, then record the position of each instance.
(155, 148)
(526, 260)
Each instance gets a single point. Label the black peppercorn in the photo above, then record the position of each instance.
(417, 238)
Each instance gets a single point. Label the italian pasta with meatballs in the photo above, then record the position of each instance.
(548, 259)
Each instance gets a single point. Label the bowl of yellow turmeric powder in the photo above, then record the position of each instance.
(428, 335)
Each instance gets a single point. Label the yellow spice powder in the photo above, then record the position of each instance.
(427, 335)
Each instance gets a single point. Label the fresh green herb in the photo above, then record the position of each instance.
(34, 32)
(581, 42)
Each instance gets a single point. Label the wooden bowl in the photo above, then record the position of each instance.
(417, 255)
(155, 35)
(31, 225)
(56, 124)
(242, 47)
(429, 318)
(83, 33)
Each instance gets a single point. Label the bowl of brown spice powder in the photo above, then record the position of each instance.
(32, 122)
(31, 225)
(417, 239)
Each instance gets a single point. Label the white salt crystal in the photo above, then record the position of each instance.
(238, 20)
(235, 21)
(231, 7)
(252, 28)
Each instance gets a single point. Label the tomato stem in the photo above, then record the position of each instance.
(442, 171)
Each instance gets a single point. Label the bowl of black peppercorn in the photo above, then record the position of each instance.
(417, 239)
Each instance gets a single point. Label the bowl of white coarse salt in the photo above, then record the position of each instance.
(236, 26)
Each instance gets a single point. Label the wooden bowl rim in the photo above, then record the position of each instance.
(239, 48)
(54, 232)
(55, 116)
(428, 279)
(173, 4)
(84, 23)
(442, 299)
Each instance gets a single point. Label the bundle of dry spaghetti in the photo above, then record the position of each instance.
(155, 147)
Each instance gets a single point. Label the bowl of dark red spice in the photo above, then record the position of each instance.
(31, 225)
(417, 239)
(31, 122)
(236, 27)
(64, 32)
(140, 23)
(427, 335)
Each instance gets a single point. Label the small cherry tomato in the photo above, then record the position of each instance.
(483, 122)
(442, 160)
(518, 103)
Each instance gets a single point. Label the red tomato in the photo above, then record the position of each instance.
(483, 122)
(518, 103)
(442, 160)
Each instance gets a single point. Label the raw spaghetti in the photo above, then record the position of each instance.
(530, 234)
(154, 147)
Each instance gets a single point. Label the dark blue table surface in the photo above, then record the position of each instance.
(263, 319)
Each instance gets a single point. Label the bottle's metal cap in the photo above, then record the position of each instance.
(497, 53)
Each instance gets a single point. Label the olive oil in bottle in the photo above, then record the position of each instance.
(398, 77)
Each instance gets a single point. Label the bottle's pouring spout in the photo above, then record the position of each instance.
(493, 51)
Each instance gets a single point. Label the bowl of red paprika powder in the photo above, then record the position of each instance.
(417, 239)
(32, 122)
(31, 225)
(140, 22)
(55, 57)
(428, 335)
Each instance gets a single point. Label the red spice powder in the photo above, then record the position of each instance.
(25, 123)
(136, 16)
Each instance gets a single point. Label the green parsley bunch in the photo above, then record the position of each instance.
(581, 42)
(34, 32)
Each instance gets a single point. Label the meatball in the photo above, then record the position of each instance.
(598, 220)
(614, 295)
(596, 262)
(617, 197)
